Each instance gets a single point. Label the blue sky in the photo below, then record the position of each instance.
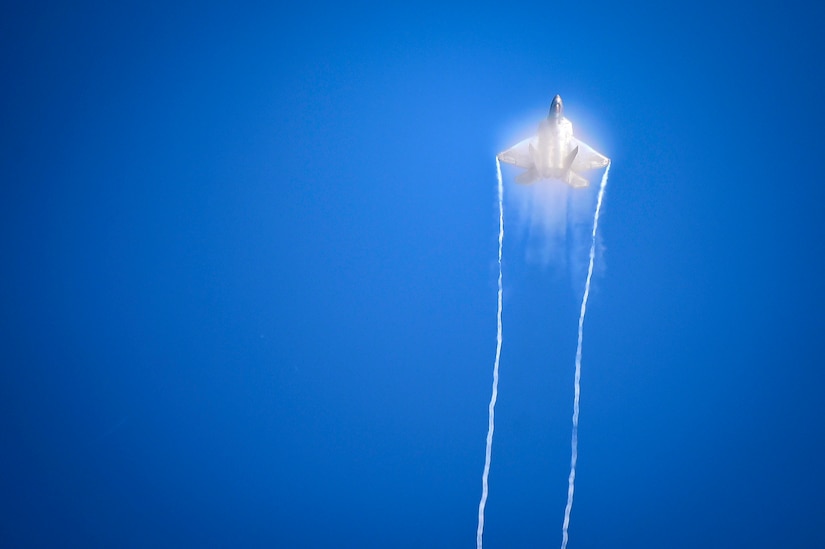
(248, 295)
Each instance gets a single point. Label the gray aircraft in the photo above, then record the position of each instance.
(554, 153)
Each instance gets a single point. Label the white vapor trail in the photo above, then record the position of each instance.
(489, 452)
(574, 442)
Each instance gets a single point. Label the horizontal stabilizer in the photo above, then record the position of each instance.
(576, 181)
(530, 176)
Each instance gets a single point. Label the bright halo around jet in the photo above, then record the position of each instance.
(553, 153)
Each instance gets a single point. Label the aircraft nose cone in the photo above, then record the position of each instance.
(556, 106)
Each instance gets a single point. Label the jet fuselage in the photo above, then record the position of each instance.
(553, 147)
(554, 153)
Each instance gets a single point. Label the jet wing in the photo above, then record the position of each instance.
(587, 158)
(518, 154)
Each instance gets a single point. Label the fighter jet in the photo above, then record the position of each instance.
(554, 153)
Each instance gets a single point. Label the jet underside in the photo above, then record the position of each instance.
(554, 153)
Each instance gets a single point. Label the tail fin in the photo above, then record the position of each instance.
(572, 178)
(570, 158)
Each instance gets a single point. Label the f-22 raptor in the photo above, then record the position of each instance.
(554, 153)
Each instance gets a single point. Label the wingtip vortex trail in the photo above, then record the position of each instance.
(577, 377)
(574, 439)
(491, 424)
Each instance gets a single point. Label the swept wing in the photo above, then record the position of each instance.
(519, 154)
(587, 158)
